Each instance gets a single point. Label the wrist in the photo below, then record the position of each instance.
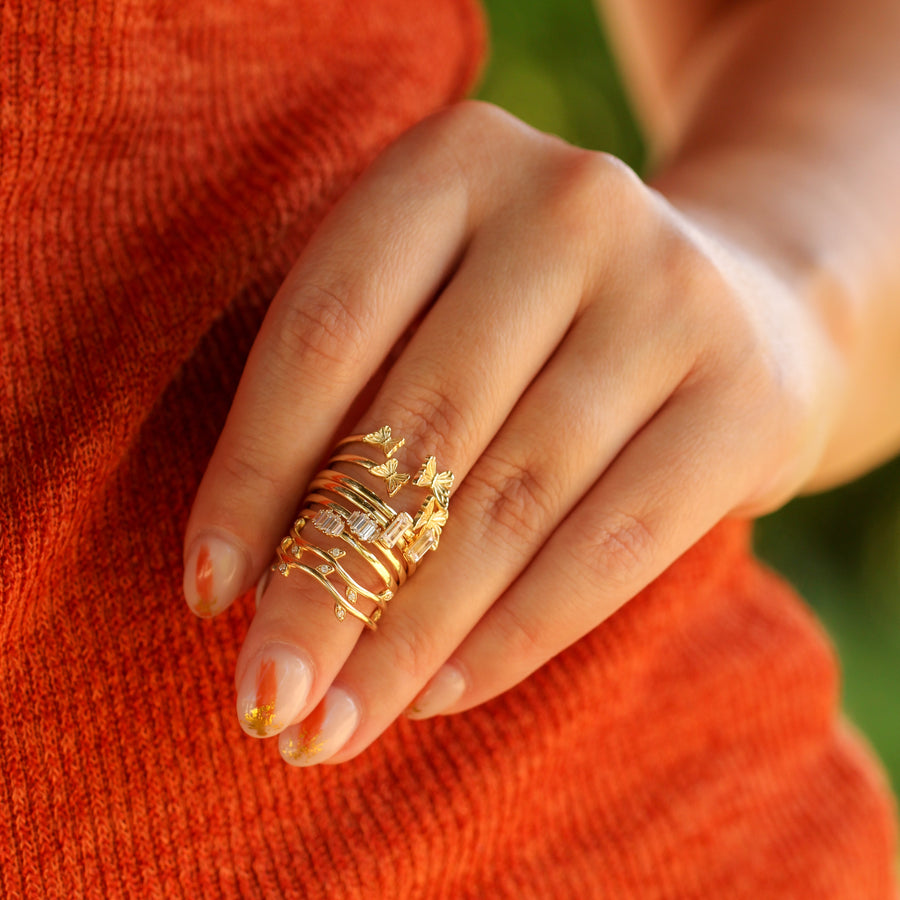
(806, 310)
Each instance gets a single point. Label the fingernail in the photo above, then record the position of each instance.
(262, 584)
(273, 690)
(323, 732)
(447, 686)
(213, 575)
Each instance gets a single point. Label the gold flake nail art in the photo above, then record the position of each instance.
(260, 719)
(306, 745)
(324, 731)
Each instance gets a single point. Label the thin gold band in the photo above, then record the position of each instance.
(344, 509)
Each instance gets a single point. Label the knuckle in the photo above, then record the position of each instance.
(599, 182)
(686, 265)
(410, 647)
(316, 327)
(509, 496)
(431, 416)
(453, 148)
(248, 469)
(522, 637)
(619, 549)
(461, 120)
(591, 200)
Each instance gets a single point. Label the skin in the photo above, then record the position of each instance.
(609, 367)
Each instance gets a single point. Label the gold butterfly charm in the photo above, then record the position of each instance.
(382, 438)
(431, 516)
(394, 479)
(439, 482)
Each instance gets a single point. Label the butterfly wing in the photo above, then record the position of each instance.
(426, 473)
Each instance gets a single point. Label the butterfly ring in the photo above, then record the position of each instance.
(347, 536)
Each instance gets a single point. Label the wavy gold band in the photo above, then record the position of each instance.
(375, 543)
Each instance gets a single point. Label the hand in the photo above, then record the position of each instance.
(606, 379)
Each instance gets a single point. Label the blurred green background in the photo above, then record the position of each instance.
(550, 66)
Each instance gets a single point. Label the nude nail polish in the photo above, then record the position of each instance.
(213, 575)
(447, 686)
(273, 690)
(323, 732)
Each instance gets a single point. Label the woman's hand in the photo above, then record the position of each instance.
(605, 378)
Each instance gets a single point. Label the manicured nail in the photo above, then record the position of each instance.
(323, 732)
(213, 575)
(273, 690)
(447, 686)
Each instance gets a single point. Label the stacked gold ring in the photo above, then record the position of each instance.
(390, 543)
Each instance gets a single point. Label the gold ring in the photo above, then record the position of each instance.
(374, 548)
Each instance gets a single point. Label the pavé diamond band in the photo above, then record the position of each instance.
(351, 541)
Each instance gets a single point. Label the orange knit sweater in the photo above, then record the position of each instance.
(161, 165)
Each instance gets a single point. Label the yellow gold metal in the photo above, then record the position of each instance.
(366, 499)
(386, 470)
(440, 483)
(394, 479)
(352, 590)
(339, 599)
(395, 579)
(344, 574)
(382, 438)
(389, 541)
(432, 516)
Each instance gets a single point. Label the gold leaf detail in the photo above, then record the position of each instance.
(259, 719)
(304, 746)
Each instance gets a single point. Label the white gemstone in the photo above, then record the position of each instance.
(329, 522)
(340, 612)
(351, 595)
(283, 567)
(336, 553)
(393, 532)
(296, 550)
(384, 596)
(325, 569)
(363, 526)
(421, 545)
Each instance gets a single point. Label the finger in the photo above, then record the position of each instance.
(359, 284)
(674, 481)
(566, 429)
(374, 265)
(451, 414)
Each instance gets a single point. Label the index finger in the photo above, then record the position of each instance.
(370, 270)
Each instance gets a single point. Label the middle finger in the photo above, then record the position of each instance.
(294, 647)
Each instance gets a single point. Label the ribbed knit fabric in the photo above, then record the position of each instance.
(161, 165)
